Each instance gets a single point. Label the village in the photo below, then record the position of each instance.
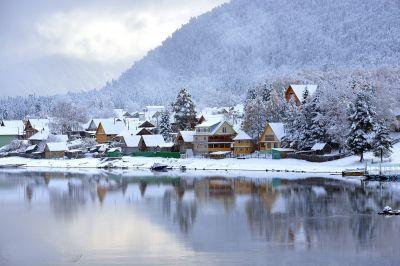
(156, 132)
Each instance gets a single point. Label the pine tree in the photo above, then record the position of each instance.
(382, 143)
(361, 116)
(255, 117)
(290, 123)
(185, 110)
(319, 122)
(165, 125)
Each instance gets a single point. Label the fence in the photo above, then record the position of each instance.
(315, 158)
(162, 154)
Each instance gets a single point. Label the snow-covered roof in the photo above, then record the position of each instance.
(112, 127)
(300, 88)
(220, 152)
(31, 148)
(278, 129)
(167, 145)
(40, 124)
(318, 146)
(209, 123)
(57, 146)
(41, 135)
(242, 136)
(114, 149)
(187, 136)
(58, 138)
(132, 141)
(153, 140)
(12, 127)
(10, 131)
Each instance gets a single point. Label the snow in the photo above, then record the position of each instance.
(112, 127)
(31, 148)
(278, 129)
(12, 128)
(299, 89)
(187, 136)
(132, 141)
(57, 146)
(229, 165)
(153, 140)
(10, 131)
(318, 146)
(40, 124)
(242, 136)
(41, 135)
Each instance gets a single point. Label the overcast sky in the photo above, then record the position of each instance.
(44, 43)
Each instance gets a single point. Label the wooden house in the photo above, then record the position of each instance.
(55, 150)
(108, 130)
(155, 143)
(321, 148)
(33, 126)
(272, 137)
(131, 143)
(295, 92)
(38, 137)
(242, 144)
(213, 136)
(184, 140)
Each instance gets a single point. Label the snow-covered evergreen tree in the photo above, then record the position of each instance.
(165, 125)
(382, 143)
(361, 118)
(255, 116)
(184, 110)
(290, 123)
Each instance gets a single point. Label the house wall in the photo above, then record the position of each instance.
(101, 137)
(242, 147)
(5, 140)
(268, 140)
(53, 154)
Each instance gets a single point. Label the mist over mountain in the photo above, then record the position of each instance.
(245, 42)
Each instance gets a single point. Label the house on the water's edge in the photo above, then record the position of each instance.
(33, 126)
(213, 136)
(10, 130)
(55, 150)
(184, 140)
(296, 92)
(242, 144)
(272, 136)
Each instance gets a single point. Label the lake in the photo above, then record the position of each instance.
(56, 218)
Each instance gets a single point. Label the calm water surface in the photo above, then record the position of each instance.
(106, 219)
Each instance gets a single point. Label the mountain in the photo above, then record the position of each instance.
(223, 52)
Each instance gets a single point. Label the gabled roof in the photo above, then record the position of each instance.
(278, 129)
(153, 140)
(57, 146)
(214, 125)
(132, 141)
(300, 88)
(242, 136)
(146, 124)
(40, 124)
(112, 128)
(187, 136)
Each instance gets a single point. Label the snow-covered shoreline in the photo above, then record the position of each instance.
(229, 164)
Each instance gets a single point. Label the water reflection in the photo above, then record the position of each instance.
(213, 220)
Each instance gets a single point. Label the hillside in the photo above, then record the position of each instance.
(244, 42)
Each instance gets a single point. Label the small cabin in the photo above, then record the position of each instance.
(108, 130)
(184, 140)
(321, 148)
(242, 144)
(272, 137)
(55, 150)
(131, 143)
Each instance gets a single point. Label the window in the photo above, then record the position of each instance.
(224, 130)
(268, 145)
